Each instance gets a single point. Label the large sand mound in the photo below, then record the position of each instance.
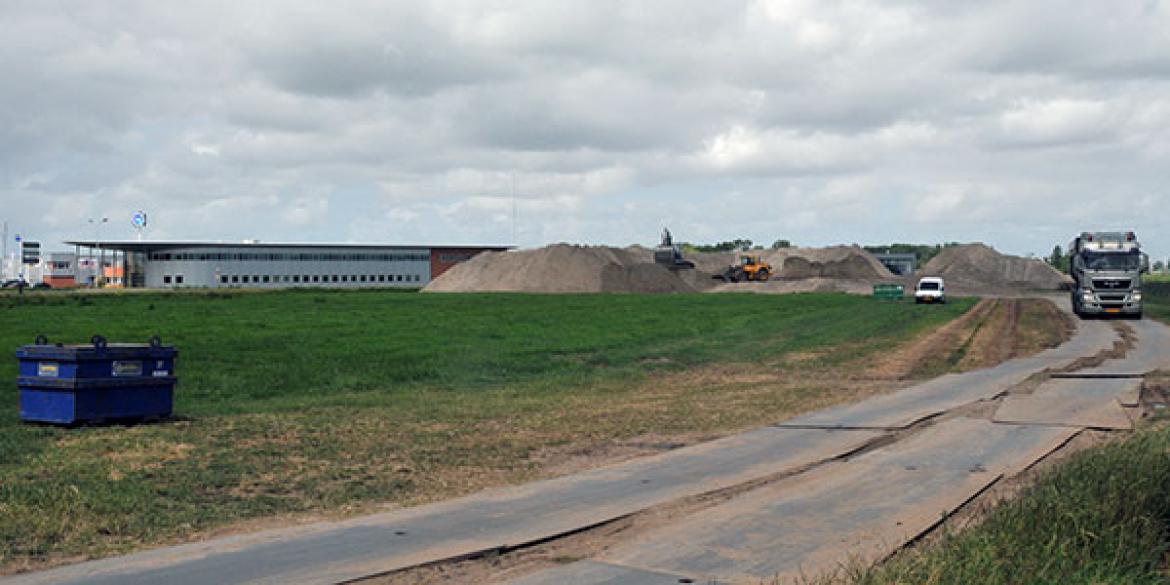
(562, 268)
(849, 262)
(565, 268)
(979, 267)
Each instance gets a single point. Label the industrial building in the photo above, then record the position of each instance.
(900, 264)
(138, 264)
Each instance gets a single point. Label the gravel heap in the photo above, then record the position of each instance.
(563, 268)
(978, 267)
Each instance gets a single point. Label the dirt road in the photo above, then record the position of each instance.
(800, 497)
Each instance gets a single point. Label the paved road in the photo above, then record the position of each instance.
(864, 506)
(498, 519)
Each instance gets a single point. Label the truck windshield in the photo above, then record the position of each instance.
(928, 286)
(1114, 261)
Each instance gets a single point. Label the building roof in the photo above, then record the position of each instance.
(146, 246)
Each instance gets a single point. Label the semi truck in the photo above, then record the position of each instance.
(1107, 268)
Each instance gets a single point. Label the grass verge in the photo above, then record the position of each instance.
(1102, 516)
(320, 402)
(1156, 298)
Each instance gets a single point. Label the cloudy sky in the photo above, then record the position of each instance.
(1014, 123)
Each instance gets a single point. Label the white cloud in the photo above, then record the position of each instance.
(1055, 122)
(418, 121)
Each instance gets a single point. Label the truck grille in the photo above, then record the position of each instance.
(1111, 298)
(1111, 283)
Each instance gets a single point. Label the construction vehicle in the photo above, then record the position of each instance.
(669, 255)
(751, 267)
(1107, 268)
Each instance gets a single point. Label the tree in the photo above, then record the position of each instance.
(779, 244)
(732, 246)
(1058, 260)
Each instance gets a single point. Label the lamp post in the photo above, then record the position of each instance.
(97, 240)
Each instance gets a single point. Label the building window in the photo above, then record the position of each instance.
(363, 278)
(335, 278)
(398, 276)
(286, 278)
(245, 277)
(296, 278)
(381, 278)
(223, 280)
(235, 279)
(316, 278)
(178, 279)
(166, 279)
(267, 279)
(255, 279)
(344, 278)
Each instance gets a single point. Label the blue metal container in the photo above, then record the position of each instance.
(72, 384)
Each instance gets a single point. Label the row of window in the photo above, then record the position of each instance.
(307, 257)
(304, 279)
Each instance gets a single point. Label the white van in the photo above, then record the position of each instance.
(930, 289)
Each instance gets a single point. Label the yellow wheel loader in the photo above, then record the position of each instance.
(751, 268)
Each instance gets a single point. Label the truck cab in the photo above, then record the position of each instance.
(930, 289)
(1107, 268)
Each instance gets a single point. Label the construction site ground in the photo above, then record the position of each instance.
(798, 497)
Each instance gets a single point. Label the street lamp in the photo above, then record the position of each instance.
(97, 241)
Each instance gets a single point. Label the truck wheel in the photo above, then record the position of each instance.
(762, 274)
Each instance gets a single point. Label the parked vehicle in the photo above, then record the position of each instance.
(13, 283)
(930, 289)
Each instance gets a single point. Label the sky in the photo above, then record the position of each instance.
(1015, 123)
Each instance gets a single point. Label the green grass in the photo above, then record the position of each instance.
(1156, 297)
(1103, 516)
(322, 402)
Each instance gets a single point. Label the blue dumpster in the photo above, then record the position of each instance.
(100, 381)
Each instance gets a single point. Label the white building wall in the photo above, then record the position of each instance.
(280, 267)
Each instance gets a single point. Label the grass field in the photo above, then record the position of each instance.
(1156, 298)
(313, 402)
(1103, 516)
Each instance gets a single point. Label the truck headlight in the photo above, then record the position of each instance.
(1087, 295)
(1136, 296)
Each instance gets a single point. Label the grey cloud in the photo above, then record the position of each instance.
(347, 118)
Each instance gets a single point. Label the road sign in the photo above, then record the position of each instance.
(30, 253)
(138, 219)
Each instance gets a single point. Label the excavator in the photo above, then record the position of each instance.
(751, 267)
(669, 255)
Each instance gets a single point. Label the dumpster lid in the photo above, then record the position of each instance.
(98, 348)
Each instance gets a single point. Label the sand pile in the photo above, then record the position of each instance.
(849, 262)
(979, 267)
(563, 268)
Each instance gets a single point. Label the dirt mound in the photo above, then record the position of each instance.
(850, 262)
(979, 267)
(562, 268)
(565, 268)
